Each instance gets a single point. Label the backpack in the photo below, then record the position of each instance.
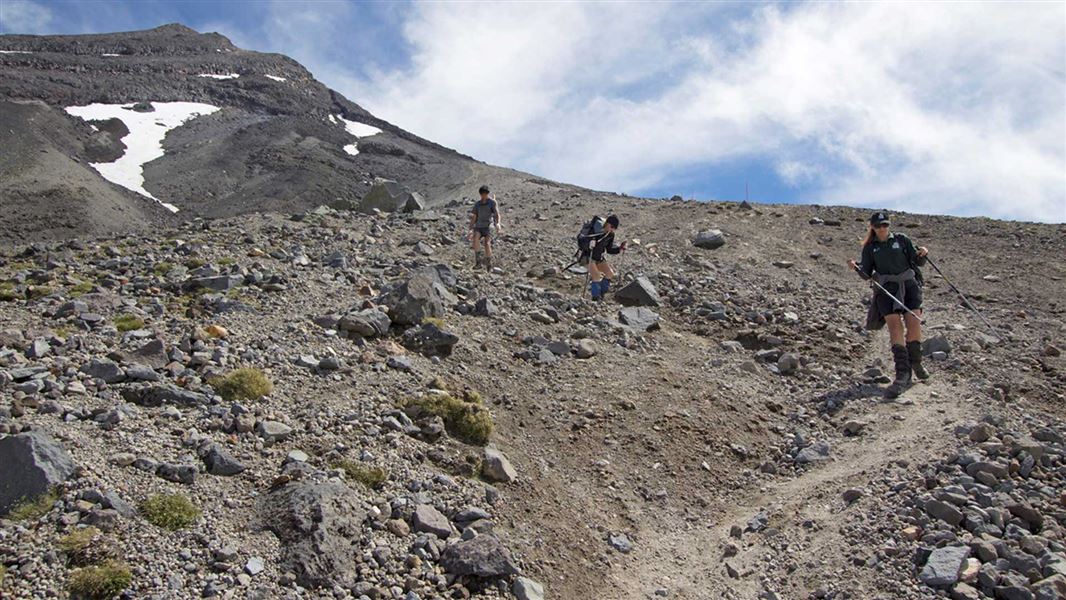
(590, 232)
(911, 254)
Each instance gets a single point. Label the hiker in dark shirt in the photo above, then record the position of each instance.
(892, 260)
(483, 217)
(595, 240)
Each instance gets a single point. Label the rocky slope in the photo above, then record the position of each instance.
(278, 142)
(728, 442)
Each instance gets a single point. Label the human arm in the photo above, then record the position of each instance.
(865, 265)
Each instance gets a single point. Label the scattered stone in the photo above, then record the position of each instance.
(639, 292)
(944, 566)
(620, 542)
(709, 240)
(482, 556)
(639, 318)
(496, 468)
(30, 464)
(427, 519)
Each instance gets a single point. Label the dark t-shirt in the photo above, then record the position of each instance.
(485, 212)
(890, 257)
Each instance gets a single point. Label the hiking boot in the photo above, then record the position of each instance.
(488, 263)
(903, 372)
(477, 259)
(914, 353)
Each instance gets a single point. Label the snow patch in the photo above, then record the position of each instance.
(356, 130)
(359, 130)
(275, 78)
(223, 76)
(144, 142)
(15, 52)
(110, 54)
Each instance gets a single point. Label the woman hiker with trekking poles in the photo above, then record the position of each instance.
(890, 261)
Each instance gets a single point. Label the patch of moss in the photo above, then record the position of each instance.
(464, 420)
(79, 545)
(36, 292)
(195, 263)
(79, 290)
(7, 292)
(63, 331)
(371, 477)
(242, 384)
(3, 574)
(19, 265)
(227, 261)
(128, 322)
(434, 321)
(162, 268)
(170, 511)
(101, 582)
(34, 508)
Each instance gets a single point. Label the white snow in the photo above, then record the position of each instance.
(275, 77)
(15, 52)
(356, 130)
(144, 142)
(333, 119)
(109, 54)
(359, 130)
(224, 76)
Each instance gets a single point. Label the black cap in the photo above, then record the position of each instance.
(879, 217)
(483, 189)
(612, 221)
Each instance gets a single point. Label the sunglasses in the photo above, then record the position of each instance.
(881, 226)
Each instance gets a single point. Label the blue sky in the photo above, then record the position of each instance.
(955, 108)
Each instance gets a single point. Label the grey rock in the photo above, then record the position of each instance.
(389, 196)
(141, 373)
(30, 464)
(586, 349)
(107, 370)
(639, 292)
(816, 452)
(639, 318)
(944, 511)
(788, 363)
(318, 525)
(366, 323)
(219, 461)
(944, 566)
(620, 542)
(709, 240)
(483, 556)
(158, 395)
(273, 431)
(254, 566)
(427, 519)
(527, 589)
(424, 294)
(496, 468)
(178, 473)
(939, 343)
(218, 283)
(484, 308)
(429, 340)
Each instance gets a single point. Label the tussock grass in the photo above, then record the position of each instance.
(242, 384)
(128, 322)
(371, 477)
(170, 511)
(467, 421)
(101, 582)
(34, 508)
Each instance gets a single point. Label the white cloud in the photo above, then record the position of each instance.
(928, 107)
(23, 17)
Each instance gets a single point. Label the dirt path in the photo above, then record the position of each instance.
(687, 558)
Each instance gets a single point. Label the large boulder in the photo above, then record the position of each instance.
(389, 196)
(482, 556)
(30, 464)
(496, 468)
(164, 393)
(318, 525)
(944, 566)
(425, 293)
(709, 240)
(639, 292)
(370, 322)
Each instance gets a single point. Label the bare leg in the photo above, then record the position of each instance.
(895, 329)
(914, 328)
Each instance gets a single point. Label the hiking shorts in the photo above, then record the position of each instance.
(887, 306)
(483, 231)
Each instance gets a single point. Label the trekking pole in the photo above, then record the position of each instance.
(966, 302)
(886, 292)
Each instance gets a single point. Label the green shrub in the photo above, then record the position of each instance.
(80, 289)
(227, 261)
(128, 322)
(464, 420)
(162, 268)
(8, 292)
(195, 263)
(34, 508)
(242, 384)
(170, 511)
(371, 477)
(101, 582)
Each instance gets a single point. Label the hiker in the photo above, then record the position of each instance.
(483, 216)
(892, 260)
(595, 239)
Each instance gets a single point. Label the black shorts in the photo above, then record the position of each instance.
(483, 231)
(887, 306)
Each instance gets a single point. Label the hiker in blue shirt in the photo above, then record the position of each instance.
(483, 216)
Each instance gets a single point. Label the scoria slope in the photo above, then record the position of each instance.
(280, 141)
(730, 442)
